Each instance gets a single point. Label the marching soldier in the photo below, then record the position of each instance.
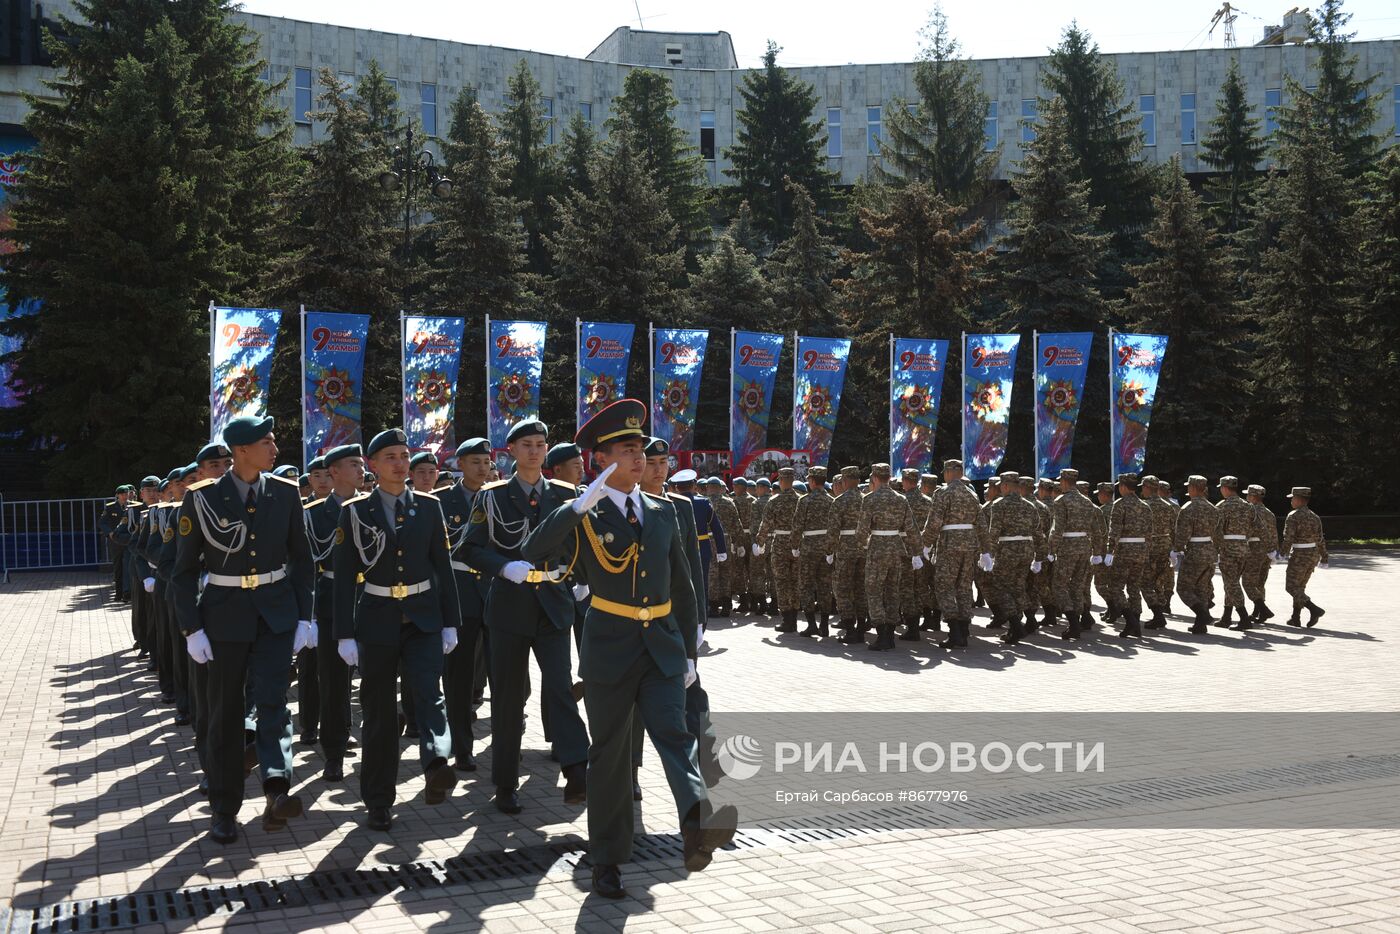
(125, 536)
(1038, 494)
(745, 564)
(848, 558)
(887, 535)
(915, 597)
(728, 516)
(253, 615)
(1160, 573)
(1103, 572)
(1263, 549)
(933, 618)
(760, 574)
(1196, 544)
(1235, 518)
(775, 538)
(1077, 534)
(529, 609)
(113, 515)
(404, 615)
(1305, 548)
(981, 578)
(1012, 548)
(709, 533)
(811, 528)
(640, 642)
(950, 541)
(1129, 524)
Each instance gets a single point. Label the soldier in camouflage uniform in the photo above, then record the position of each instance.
(914, 595)
(776, 539)
(1305, 548)
(951, 541)
(1039, 493)
(1077, 537)
(1263, 549)
(728, 515)
(1129, 525)
(1103, 572)
(982, 577)
(740, 557)
(1012, 547)
(810, 530)
(1234, 519)
(1160, 574)
(886, 532)
(848, 561)
(1196, 548)
(928, 485)
(760, 578)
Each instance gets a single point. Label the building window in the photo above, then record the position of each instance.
(1188, 119)
(548, 103)
(707, 135)
(674, 57)
(833, 132)
(989, 127)
(301, 109)
(585, 110)
(872, 130)
(1273, 100)
(427, 97)
(1028, 113)
(1147, 108)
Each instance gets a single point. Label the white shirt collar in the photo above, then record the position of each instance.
(619, 499)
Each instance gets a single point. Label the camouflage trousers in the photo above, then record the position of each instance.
(882, 574)
(916, 590)
(785, 573)
(848, 581)
(756, 572)
(1256, 574)
(1006, 587)
(1069, 590)
(814, 578)
(1158, 592)
(1232, 558)
(718, 584)
(1301, 563)
(1129, 578)
(1103, 583)
(1195, 584)
(952, 573)
(738, 572)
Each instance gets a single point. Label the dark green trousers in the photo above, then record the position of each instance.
(263, 667)
(510, 656)
(459, 686)
(421, 656)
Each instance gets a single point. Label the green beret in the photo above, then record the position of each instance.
(247, 429)
(389, 438)
(189, 471)
(150, 481)
(657, 447)
(173, 475)
(287, 471)
(421, 458)
(211, 451)
(526, 428)
(474, 446)
(564, 451)
(340, 453)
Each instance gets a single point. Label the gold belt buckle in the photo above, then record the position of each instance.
(644, 612)
(398, 591)
(249, 582)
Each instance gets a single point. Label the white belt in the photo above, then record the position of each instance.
(328, 575)
(848, 531)
(957, 527)
(819, 532)
(1074, 535)
(247, 581)
(1305, 545)
(153, 567)
(1206, 538)
(1133, 540)
(887, 532)
(1254, 539)
(1234, 538)
(781, 532)
(398, 591)
(464, 567)
(1014, 538)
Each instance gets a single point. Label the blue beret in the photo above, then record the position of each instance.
(173, 475)
(189, 471)
(526, 428)
(565, 451)
(392, 437)
(763, 482)
(657, 447)
(474, 446)
(288, 471)
(622, 420)
(163, 485)
(741, 481)
(316, 463)
(126, 488)
(800, 487)
(422, 457)
(247, 429)
(713, 480)
(150, 481)
(211, 451)
(340, 453)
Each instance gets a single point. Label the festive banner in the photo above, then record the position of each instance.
(11, 148)
(1061, 361)
(432, 354)
(1136, 361)
(819, 372)
(989, 366)
(754, 367)
(603, 352)
(514, 367)
(241, 344)
(677, 360)
(916, 385)
(333, 370)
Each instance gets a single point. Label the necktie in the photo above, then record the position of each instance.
(252, 500)
(398, 516)
(631, 514)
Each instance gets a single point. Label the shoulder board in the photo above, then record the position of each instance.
(208, 481)
(426, 496)
(313, 502)
(356, 499)
(567, 487)
(656, 499)
(494, 483)
(289, 482)
(678, 497)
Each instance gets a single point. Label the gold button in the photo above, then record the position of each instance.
(641, 548)
(646, 599)
(252, 570)
(252, 554)
(252, 537)
(646, 625)
(644, 573)
(400, 567)
(400, 552)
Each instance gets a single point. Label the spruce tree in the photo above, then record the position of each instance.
(380, 100)
(743, 233)
(777, 139)
(535, 177)
(1233, 149)
(1185, 291)
(577, 148)
(160, 159)
(939, 138)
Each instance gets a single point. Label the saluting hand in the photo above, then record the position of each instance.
(593, 493)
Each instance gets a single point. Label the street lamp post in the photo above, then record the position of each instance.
(411, 169)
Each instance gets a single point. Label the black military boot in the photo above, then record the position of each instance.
(789, 623)
(964, 633)
(980, 600)
(1262, 612)
(1224, 619)
(1052, 615)
(1032, 624)
(1202, 624)
(933, 620)
(1086, 621)
(997, 621)
(1111, 616)
(1294, 620)
(824, 627)
(811, 627)
(1244, 622)
(911, 629)
(1132, 626)
(1314, 613)
(1015, 630)
(955, 639)
(884, 639)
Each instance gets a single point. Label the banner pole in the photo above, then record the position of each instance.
(303, 389)
(1112, 465)
(578, 373)
(732, 337)
(651, 373)
(962, 405)
(213, 315)
(890, 402)
(795, 342)
(1035, 400)
(486, 357)
(403, 369)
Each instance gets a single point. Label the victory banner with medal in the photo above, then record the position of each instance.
(241, 344)
(819, 373)
(989, 368)
(514, 368)
(603, 353)
(754, 367)
(677, 359)
(1061, 362)
(333, 367)
(432, 354)
(916, 385)
(1135, 365)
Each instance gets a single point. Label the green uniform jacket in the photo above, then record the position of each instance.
(472, 586)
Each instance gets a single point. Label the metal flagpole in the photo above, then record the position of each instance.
(403, 368)
(651, 372)
(891, 403)
(795, 340)
(1112, 465)
(962, 404)
(1035, 401)
(213, 315)
(732, 338)
(486, 357)
(303, 388)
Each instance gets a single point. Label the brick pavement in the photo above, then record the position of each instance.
(99, 799)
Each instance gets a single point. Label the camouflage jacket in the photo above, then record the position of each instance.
(811, 526)
(1074, 512)
(1303, 527)
(843, 517)
(1234, 518)
(778, 516)
(1163, 524)
(883, 512)
(953, 505)
(1130, 517)
(1263, 536)
(1197, 519)
(1013, 517)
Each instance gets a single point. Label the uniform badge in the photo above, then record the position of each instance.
(608, 537)
(413, 512)
(167, 535)
(340, 536)
(479, 515)
(223, 523)
(186, 526)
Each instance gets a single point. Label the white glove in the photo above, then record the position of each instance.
(928, 552)
(580, 591)
(917, 562)
(449, 639)
(517, 571)
(1096, 559)
(740, 551)
(197, 644)
(1322, 564)
(1108, 561)
(1175, 558)
(796, 553)
(593, 492)
(830, 559)
(985, 562)
(1050, 558)
(1035, 567)
(690, 674)
(1274, 556)
(149, 585)
(305, 637)
(722, 557)
(699, 636)
(349, 652)
(757, 551)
